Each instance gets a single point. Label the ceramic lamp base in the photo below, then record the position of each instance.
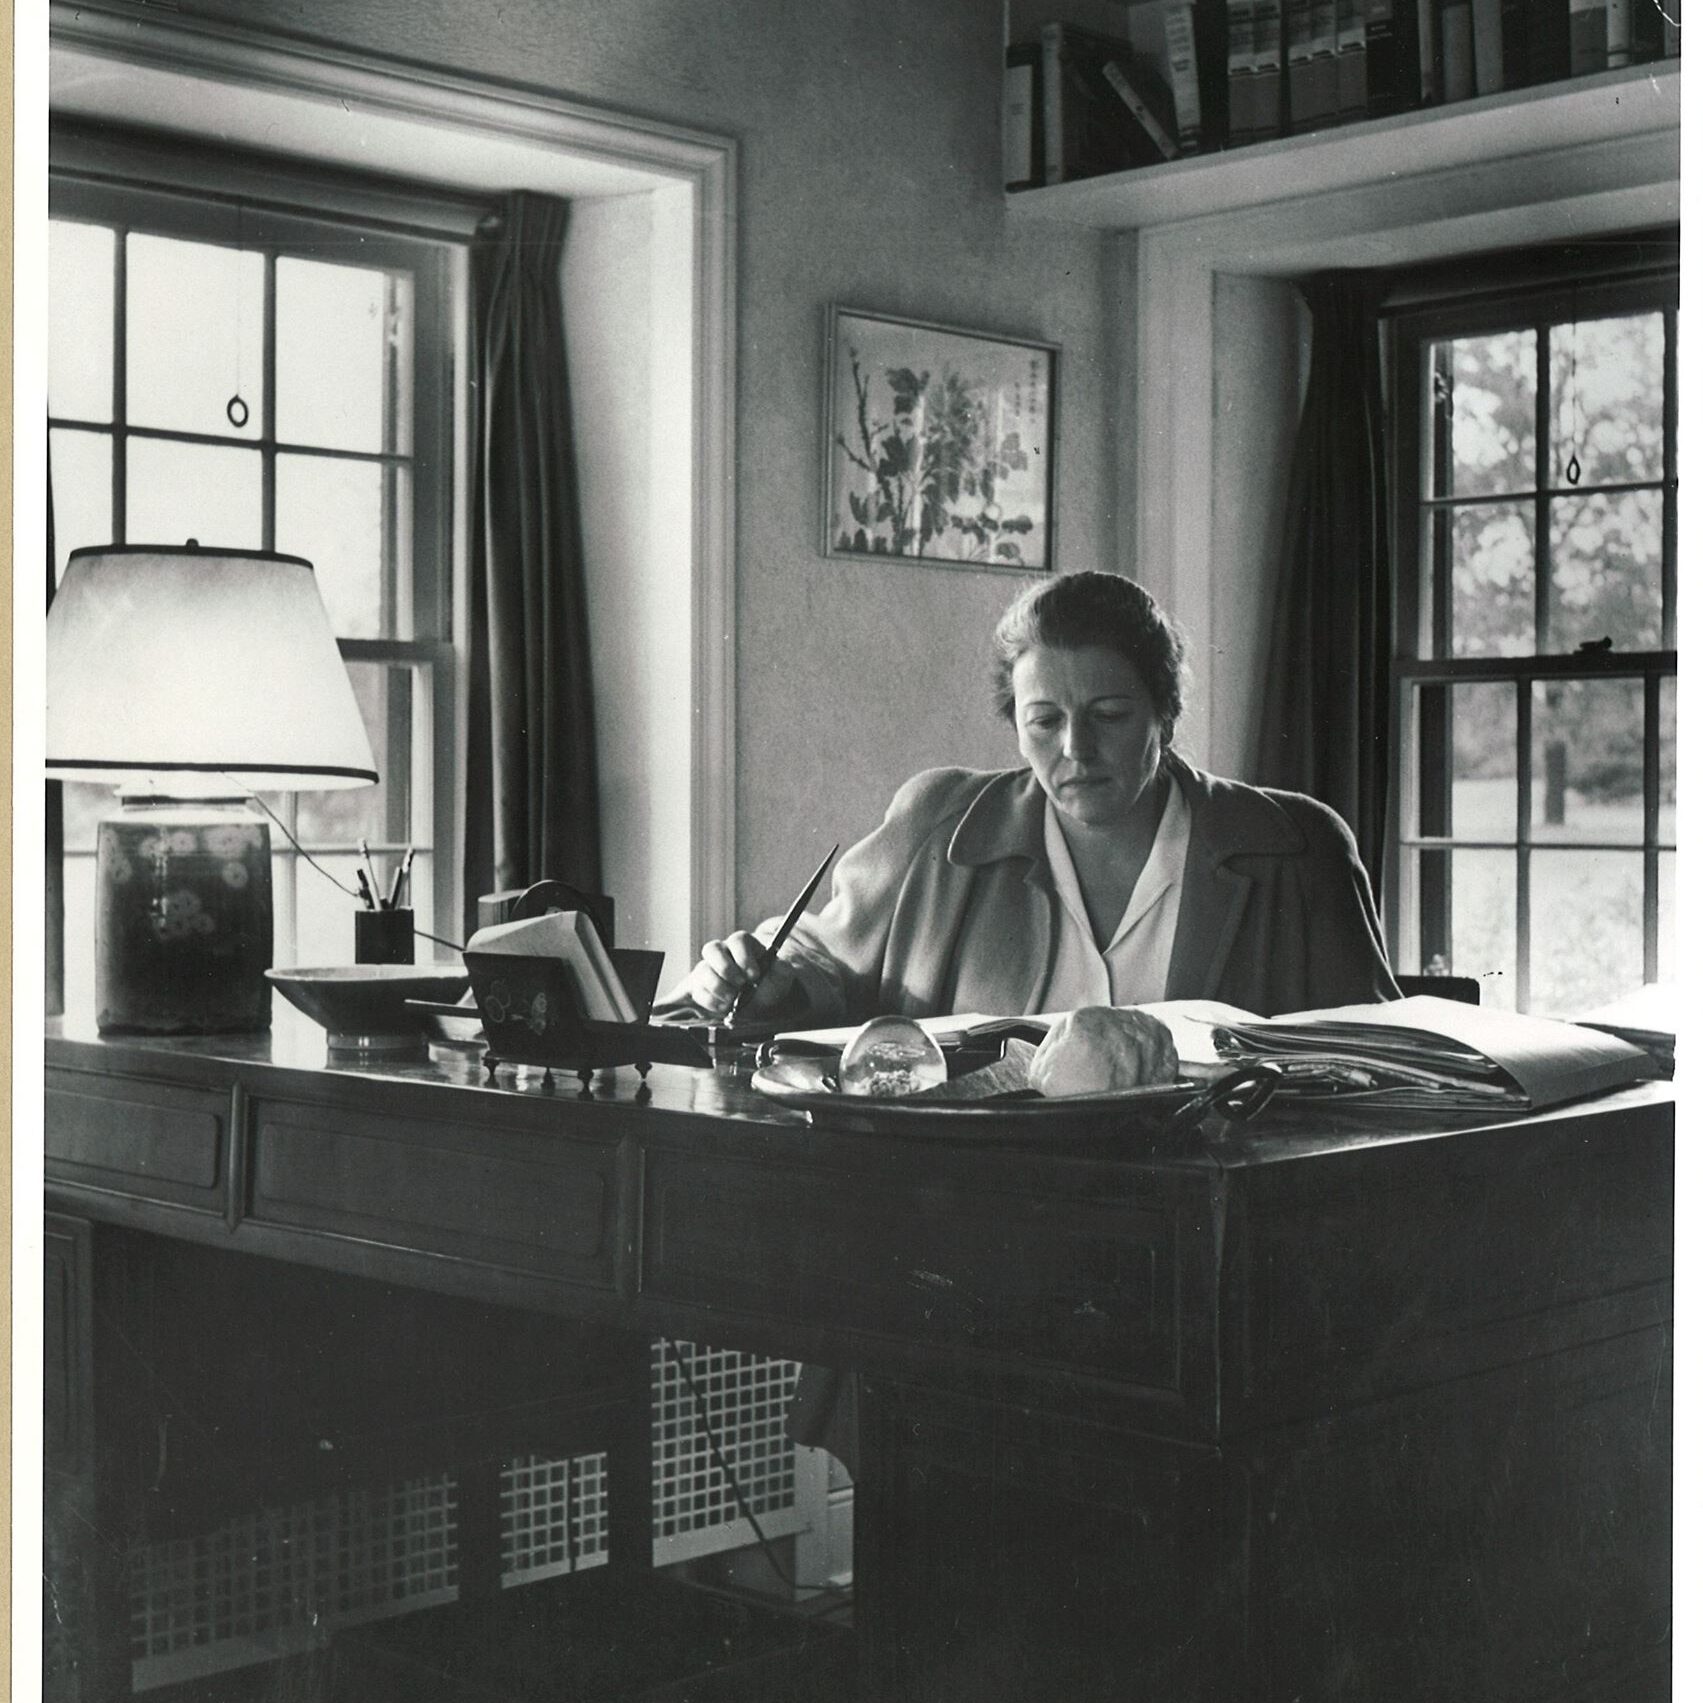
(183, 929)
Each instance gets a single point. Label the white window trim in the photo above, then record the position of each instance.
(1213, 317)
(331, 103)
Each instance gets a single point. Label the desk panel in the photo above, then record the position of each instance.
(500, 1197)
(117, 1133)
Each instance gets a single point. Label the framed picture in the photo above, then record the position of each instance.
(940, 444)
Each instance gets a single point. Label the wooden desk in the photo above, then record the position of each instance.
(1301, 1414)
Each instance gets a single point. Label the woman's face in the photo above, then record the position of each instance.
(1087, 727)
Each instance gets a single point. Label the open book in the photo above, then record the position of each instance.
(572, 937)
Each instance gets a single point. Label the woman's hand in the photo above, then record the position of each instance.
(1100, 1049)
(728, 967)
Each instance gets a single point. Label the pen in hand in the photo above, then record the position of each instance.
(779, 940)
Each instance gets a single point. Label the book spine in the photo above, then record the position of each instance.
(1052, 103)
(1516, 59)
(1428, 51)
(1391, 71)
(1185, 72)
(1353, 101)
(1587, 35)
(1487, 72)
(1548, 42)
(1268, 68)
(1300, 93)
(1239, 15)
(1143, 114)
(1456, 19)
(1324, 60)
(1617, 32)
(1022, 115)
(1212, 61)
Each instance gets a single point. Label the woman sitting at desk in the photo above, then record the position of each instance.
(1106, 872)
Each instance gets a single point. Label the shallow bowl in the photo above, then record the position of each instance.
(363, 1008)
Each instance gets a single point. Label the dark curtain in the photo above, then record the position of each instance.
(55, 866)
(532, 768)
(1326, 728)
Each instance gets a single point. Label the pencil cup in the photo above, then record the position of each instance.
(384, 937)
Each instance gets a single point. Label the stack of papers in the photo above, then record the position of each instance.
(1648, 1017)
(1434, 1055)
(571, 937)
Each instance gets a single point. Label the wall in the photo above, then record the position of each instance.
(869, 174)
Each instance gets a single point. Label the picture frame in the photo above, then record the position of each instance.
(939, 444)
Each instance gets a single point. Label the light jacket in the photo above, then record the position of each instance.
(949, 905)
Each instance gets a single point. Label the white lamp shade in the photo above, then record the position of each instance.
(165, 661)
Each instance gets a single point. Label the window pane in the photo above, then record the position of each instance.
(1587, 929)
(179, 491)
(195, 336)
(332, 512)
(1668, 803)
(1492, 414)
(85, 804)
(81, 476)
(1485, 791)
(1588, 760)
(1606, 400)
(1494, 578)
(80, 261)
(1482, 922)
(325, 916)
(1607, 570)
(80, 934)
(1667, 950)
(392, 700)
(339, 337)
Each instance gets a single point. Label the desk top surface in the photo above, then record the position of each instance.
(294, 1051)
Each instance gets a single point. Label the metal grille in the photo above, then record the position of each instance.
(281, 1581)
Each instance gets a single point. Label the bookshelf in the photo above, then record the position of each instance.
(1516, 138)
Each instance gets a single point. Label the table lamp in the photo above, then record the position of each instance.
(191, 679)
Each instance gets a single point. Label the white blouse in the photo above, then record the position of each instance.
(1137, 960)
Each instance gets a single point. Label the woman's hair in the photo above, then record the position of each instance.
(1078, 610)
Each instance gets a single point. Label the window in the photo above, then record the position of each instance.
(242, 356)
(1535, 435)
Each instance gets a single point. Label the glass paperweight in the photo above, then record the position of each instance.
(890, 1057)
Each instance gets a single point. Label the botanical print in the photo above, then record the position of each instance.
(939, 445)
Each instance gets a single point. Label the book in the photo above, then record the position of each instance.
(1142, 110)
(1587, 36)
(1022, 132)
(1516, 56)
(1392, 56)
(1487, 68)
(1239, 22)
(1549, 54)
(1323, 31)
(1086, 128)
(1353, 100)
(570, 937)
(1304, 105)
(1617, 32)
(1183, 64)
(1454, 19)
(1429, 51)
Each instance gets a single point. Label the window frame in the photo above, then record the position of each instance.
(133, 180)
(1637, 273)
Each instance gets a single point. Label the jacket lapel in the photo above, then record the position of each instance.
(1008, 940)
(1225, 821)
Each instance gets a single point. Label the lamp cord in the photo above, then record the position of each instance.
(302, 851)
